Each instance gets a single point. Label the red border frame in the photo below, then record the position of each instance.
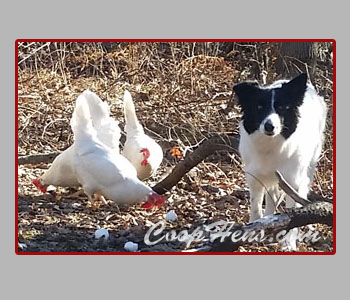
(177, 40)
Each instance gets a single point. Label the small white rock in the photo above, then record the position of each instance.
(103, 232)
(76, 205)
(51, 188)
(171, 216)
(131, 247)
(22, 246)
(21, 172)
(221, 193)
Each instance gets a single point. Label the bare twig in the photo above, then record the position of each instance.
(290, 191)
(35, 50)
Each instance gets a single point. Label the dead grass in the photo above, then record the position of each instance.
(182, 93)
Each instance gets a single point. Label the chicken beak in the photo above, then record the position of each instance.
(147, 205)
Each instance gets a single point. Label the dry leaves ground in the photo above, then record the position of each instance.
(181, 92)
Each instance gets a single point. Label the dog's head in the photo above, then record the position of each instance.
(271, 110)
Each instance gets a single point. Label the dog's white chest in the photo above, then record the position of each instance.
(262, 155)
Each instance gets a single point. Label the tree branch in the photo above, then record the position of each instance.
(318, 212)
(37, 158)
(206, 148)
(288, 189)
(311, 213)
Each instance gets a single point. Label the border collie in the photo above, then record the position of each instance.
(281, 129)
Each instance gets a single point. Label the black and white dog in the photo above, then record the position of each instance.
(282, 128)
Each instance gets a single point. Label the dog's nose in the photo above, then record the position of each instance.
(269, 128)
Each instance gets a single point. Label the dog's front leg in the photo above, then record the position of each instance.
(256, 199)
(271, 199)
(289, 242)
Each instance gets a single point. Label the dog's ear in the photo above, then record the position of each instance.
(296, 88)
(245, 91)
(298, 82)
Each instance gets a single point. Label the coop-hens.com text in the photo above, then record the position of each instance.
(219, 230)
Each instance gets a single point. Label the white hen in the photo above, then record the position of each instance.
(61, 172)
(140, 149)
(102, 171)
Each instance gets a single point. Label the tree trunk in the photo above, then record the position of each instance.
(300, 50)
(297, 57)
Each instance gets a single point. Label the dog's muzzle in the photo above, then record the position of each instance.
(271, 125)
(269, 128)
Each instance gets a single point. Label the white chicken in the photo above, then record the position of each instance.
(140, 149)
(102, 171)
(61, 172)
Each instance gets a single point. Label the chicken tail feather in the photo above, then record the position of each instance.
(81, 120)
(131, 121)
(99, 110)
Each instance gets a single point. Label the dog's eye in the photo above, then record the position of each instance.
(281, 107)
(260, 106)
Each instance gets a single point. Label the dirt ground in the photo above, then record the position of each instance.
(183, 95)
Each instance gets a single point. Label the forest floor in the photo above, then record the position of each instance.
(181, 99)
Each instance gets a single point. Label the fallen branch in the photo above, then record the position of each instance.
(37, 158)
(311, 213)
(318, 212)
(208, 147)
